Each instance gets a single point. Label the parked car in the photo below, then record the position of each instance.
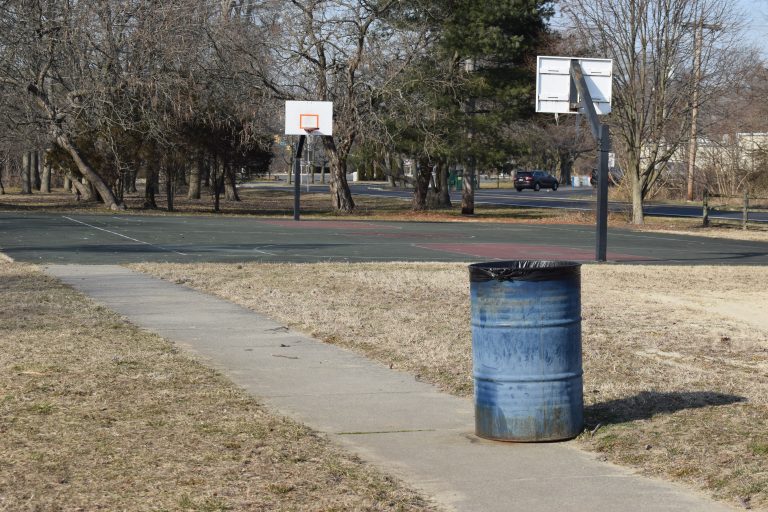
(535, 180)
(614, 177)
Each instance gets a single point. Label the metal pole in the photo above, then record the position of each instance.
(697, 36)
(297, 177)
(602, 195)
(603, 137)
(311, 158)
(745, 217)
(705, 209)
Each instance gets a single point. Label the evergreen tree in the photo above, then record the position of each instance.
(476, 79)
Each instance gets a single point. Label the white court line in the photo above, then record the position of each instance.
(124, 236)
(265, 252)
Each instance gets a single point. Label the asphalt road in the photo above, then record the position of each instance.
(564, 198)
(567, 198)
(113, 239)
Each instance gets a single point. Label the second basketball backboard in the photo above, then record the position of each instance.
(556, 93)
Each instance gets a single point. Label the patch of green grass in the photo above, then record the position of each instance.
(759, 448)
(606, 440)
(41, 408)
(214, 504)
(278, 488)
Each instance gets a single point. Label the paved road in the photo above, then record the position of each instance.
(566, 198)
(112, 239)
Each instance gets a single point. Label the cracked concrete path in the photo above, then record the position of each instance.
(405, 427)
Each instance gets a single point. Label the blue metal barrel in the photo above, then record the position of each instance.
(526, 350)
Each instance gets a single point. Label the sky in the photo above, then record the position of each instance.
(755, 20)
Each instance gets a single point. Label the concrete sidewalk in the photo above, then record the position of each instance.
(403, 426)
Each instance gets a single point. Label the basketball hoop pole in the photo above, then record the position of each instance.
(297, 177)
(603, 138)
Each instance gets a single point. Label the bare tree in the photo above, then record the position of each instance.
(653, 49)
(340, 51)
(733, 140)
(44, 51)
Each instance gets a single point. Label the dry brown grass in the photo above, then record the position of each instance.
(98, 415)
(675, 358)
(279, 203)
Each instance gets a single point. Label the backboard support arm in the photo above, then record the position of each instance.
(602, 135)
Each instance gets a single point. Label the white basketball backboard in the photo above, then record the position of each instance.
(555, 92)
(309, 118)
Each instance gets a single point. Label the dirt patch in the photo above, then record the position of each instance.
(98, 415)
(676, 366)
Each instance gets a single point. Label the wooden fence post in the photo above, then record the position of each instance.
(705, 209)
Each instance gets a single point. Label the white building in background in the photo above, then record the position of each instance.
(741, 150)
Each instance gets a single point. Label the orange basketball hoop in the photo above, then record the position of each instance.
(309, 122)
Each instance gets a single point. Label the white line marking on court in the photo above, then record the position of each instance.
(124, 236)
(265, 252)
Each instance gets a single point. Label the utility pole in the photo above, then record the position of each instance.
(698, 36)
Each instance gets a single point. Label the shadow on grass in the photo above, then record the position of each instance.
(647, 404)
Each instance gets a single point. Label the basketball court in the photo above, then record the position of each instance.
(115, 239)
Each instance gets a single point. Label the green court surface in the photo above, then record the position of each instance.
(111, 239)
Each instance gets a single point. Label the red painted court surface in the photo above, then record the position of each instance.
(528, 252)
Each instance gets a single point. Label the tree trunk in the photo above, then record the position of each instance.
(341, 197)
(388, 170)
(636, 177)
(3, 170)
(130, 181)
(421, 187)
(207, 164)
(45, 178)
(168, 171)
(103, 190)
(81, 191)
(36, 181)
(468, 189)
(230, 184)
(566, 167)
(638, 217)
(219, 176)
(67, 183)
(150, 187)
(26, 173)
(443, 194)
(195, 175)
(92, 193)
